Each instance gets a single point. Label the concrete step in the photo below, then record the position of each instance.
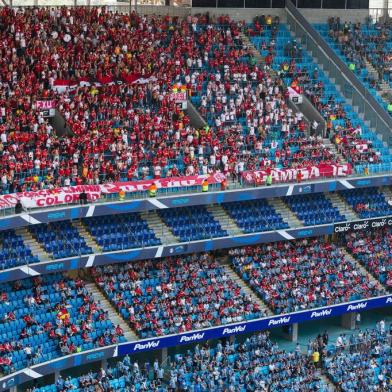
(224, 219)
(343, 207)
(90, 241)
(288, 216)
(114, 316)
(247, 290)
(363, 270)
(332, 148)
(256, 53)
(161, 230)
(36, 248)
(387, 191)
(331, 387)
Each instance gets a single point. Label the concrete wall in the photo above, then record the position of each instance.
(246, 14)
(314, 15)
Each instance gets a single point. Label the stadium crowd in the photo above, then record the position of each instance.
(253, 365)
(364, 42)
(175, 295)
(374, 250)
(362, 362)
(46, 317)
(302, 274)
(111, 76)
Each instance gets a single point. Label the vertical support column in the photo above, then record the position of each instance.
(164, 355)
(13, 389)
(348, 320)
(56, 376)
(291, 332)
(104, 364)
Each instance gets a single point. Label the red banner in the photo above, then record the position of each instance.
(287, 175)
(47, 197)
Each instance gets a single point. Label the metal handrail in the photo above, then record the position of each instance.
(368, 98)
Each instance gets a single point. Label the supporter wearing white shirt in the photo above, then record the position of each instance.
(4, 138)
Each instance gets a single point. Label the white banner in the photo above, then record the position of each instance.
(67, 195)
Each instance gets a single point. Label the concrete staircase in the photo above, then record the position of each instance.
(332, 148)
(90, 241)
(288, 216)
(114, 316)
(162, 231)
(247, 290)
(362, 269)
(36, 248)
(387, 191)
(343, 207)
(256, 54)
(386, 90)
(327, 381)
(224, 219)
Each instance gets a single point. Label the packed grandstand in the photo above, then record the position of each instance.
(192, 199)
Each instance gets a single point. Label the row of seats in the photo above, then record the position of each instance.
(60, 239)
(192, 223)
(369, 202)
(121, 232)
(255, 216)
(127, 231)
(314, 209)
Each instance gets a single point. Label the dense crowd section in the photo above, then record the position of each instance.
(132, 130)
(366, 49)
(252, 365)
(302, 274)
(175, 295)
(374, 250)
(46, 317)
(353, 139)
(363, 362)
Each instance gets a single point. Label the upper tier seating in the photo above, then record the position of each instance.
(296, 275)
(361, 44)
(175, 294)
(130, 131)
(352, 137)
